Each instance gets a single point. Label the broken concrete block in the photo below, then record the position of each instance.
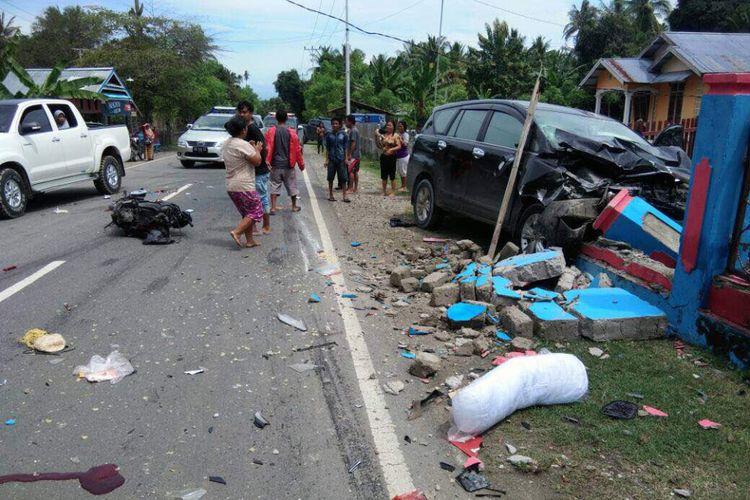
(425, 365)
(522, 344)
(443, 336)
(419, 273)
(516, 322)
(434, 280)
(486, 260)
(399, 274)
(454, 382)
(467, 314)
(509, 250)
(393, 387)
(465, 244)
(468, 289)
(529, 268)
(567, 279)
(445, 295)
(552, 321)
(485, 292)
(615, 314)
(481, 345)
(409, 285)
(469, 333)
(605, 281)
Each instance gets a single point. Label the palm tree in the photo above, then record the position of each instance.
(580, 18)
(53, 86)
(137, 9)
(386, 73)
(8, 32)
(418, 89)
(645, 13)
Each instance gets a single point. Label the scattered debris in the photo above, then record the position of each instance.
(412, 495)
(596, 352)
(355, 466)
(467, 314)
(454, 382)
(98, 480)
(447, 466)
(682, 492)
(195, 372)
(149, 220)
(296, 323)
(188, 494)
(408, 355)
(10, 421)
(472, 480)
(503, 336)
(529, 268)
(329, 270)
(314, 299)
(468, 444)
(393, 387)
(40, 340)
(59, 210)
(620, 410)
(316, 346)
(418, 406)
(356, 243)
(397, 222)
(425, 365)
(654, 412)
(9, 268)
(511, 449)
(521, 460)
(217, 479)
(709, 424)
(349, 295)
(303, 367)
(259, 421)
(114, 368)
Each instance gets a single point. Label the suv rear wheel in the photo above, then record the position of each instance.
(109, 179)
(426, 212)
(12, 194)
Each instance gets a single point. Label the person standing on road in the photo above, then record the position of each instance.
(149, 136)
(388, 142)
(245, 109)
(336, 152)
(352, 153)
(240, 158)
(402, 155)
(321, 131)
(284, 153)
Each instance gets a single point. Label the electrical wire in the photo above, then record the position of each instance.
(481, 2)
(19, 15)
(395, 13)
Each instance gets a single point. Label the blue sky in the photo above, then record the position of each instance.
(265, 37)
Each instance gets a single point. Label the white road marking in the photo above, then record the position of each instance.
(172, 195)
(395, 470)
(8, 292)
(151, 161)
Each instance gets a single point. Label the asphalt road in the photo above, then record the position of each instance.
(200, 302)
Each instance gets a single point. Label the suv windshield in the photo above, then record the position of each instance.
(270, 121)
(7, 112)
(211, 122)
(604, 129)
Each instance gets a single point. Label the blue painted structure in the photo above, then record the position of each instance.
(550, 311)
(526, 259)
(609, 303)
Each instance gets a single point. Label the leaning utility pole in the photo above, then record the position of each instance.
(437, 56)
(348, 72)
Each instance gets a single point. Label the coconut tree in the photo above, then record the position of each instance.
(418, 89)
(645, 12)
(580, 18)
(386, 73)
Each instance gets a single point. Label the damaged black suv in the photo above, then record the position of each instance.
(462, 160)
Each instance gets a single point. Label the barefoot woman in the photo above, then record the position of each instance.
(241, 158)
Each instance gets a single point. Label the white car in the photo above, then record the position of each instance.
(203, 140)
(38, 154)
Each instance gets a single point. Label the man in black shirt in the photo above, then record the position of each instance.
(262, 172)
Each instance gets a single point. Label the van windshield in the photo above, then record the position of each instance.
(7, 112)
(211, 122)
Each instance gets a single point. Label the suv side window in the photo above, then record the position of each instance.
(69, 115)
(441, 120)
(503, 130)
(469, 124)
(35, 114)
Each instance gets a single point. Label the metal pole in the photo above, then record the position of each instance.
(437, 56)
(348, 71)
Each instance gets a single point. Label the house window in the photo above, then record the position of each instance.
(676, 92)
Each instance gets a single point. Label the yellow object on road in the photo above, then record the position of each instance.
(31, 336)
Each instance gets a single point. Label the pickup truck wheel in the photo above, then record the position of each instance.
(109, 179)
(187, 163)
(426, 212)
(528, 236)
(12, 194)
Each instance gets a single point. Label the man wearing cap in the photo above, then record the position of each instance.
(62, 121)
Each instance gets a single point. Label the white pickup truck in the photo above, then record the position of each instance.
(45, 145)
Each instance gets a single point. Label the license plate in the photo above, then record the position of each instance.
(200, 149)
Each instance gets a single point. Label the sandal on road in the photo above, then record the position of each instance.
(296, 209)
(347, 200)
(331, 199)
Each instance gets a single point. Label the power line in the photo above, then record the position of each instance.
(19, 15)
(395, 13)
(518, 14)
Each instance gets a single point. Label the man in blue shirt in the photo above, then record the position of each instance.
(336, 142)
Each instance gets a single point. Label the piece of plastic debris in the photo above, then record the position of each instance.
(412, 495)
(442, 266)
(349, 295)
(407, 439)
(418, 406)
(296, 323)
(59, 210)
(430, 239)
(314, 299)
(413, 331)
(516, 384)
(189, 210)
(195, 372)
(408, 355)
(188, 494)
(447, 466)
(114, 368)
(709, 424)
(503, 336)
(474, 462)
(9, 268)
(98, 480)
(355, 466)
(470, 445)
(259, 421)
(655, 412)
(472, 480)
(620, 410)
(356, 243)
(303, 367)
(217, 479)
(329, 270)
(10, 421)
(31, 336)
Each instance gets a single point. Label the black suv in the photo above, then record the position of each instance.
(462, 160)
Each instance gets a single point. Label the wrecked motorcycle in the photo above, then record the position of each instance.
(150, 220)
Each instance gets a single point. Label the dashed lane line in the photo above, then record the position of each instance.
(392, 462)
(172, 195)
(10, 291)
(150, 162)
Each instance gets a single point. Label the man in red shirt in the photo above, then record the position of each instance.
(284, 153)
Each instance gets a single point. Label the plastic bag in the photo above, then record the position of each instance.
(114, 368)
(518, 383)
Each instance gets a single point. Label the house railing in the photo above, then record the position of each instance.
(650, 130)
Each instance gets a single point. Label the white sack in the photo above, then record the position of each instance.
(518, 383)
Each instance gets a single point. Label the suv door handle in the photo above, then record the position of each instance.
(441, 145)
(477, 153)
(55, 139)
(83, 136)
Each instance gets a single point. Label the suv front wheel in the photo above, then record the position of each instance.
(426, 212)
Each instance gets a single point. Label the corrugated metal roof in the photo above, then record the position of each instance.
(632, 69)
(712, 52)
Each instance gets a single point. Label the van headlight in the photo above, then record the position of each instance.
(181, 143)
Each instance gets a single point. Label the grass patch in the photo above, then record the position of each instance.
(648, 456)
